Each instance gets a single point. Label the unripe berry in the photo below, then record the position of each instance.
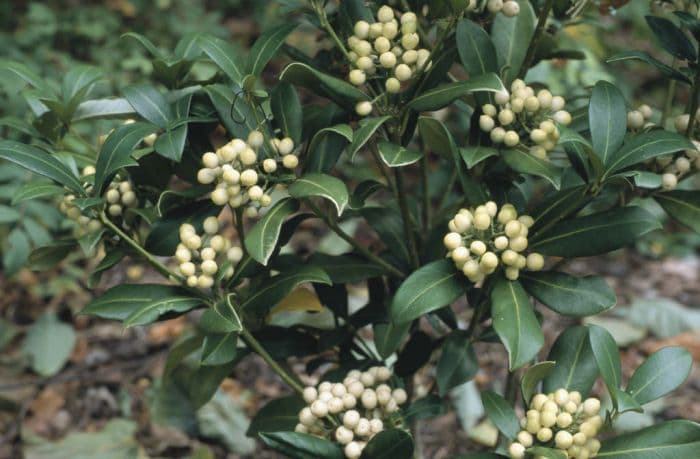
(562, 117)
(210, 160)
(362, 429)
(310, 394)
(319, 408)
(363, 48)
(535, 262)
(208, 254)
(387, 60)
(591, 406)
(452, 241)
(460, 255)
(564, 420)
(669, 181)
(363, 108)
(306, 417)
(408, 17)
(361, 29)
(219, 196)
(498, 134)
(525, 438)
(580, 439)
(357, 77)
(234, 254)
(112, 196)
(390, 30)
(376, 29)
(477, 247)
(494, 6)
(205, 281)
(682, 164)
(505, 117)
(558, 103)
(364, 63)
(681, 123)
(548, 418)
(516, 451)
(511, 139)
(211, 225)
(532, 104)
(645, 110)
(563, 439)
(544, 434)
(403, 72)
(376, 425)
(509, 257)
(187, 269)
(385, 14)
(248, 157)
(382, 45)
(335, 405)
(486, 123)
(635, 119)
(209, 267)
(352, 450)
(400, 396)
(349, 401)
(489, 261)
(538, 402)
(351, 419)
(410, 57)
(502, 98)
(511, 8)
(410, 41)
(325, 386)
(501, 242)
(343, 435)
(392, 85)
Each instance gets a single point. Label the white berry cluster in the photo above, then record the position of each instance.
(85, 223)
(353, 411)
(509, 8)
(388, 48)
(200, 257)
(240, 176)
(639, 118)
(120, 196)
(525, 119)
(675, 167)
(482, 239)
(560, 420)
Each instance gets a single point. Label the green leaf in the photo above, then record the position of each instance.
(261, 241)
(431, 287)
(103, 108)
(569, 295)
(48, 344)
(501, 414)
(666, 70)
(388, 337)
(511, 37)
(278, 415)
(8, 214)
(277, 288)
(141, 304)
(525, 163)
(476, 50)
(16, 252)
(150, 104)
(596, 233)
(111, 259)
(607, 356)
(34, 190)
(25, 74)
(339, 91)
(443, 95)
(224, 56)
(346, 269)
(116, 152)
(326, 146)
(548, 453)
(218, 349)
(576, 367)
(532, 377)
(365, 131)
(607, 118)
(396, 155)
(40, 162)
(49, 256)
(683, 206)
(515, 322)
(389, 226)
(164, 236)
(672, 38)
(389, 444)
(301, 446)
(171, 143)
(222, 317)
(458, 363)
(322, 185)
(234, 111)
(266, 46)
(146, 43)
(558, 206)
(476, 154)
(669, 440)
(645, 146)
(660, 374)
(427, 407)
(287, 111)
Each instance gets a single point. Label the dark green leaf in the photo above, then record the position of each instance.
(339, 91)
(278, 415)
(267, 45)
(218, 349)
(458, 363)
(576, 367)
(569, 295)
(389, 444)
(346, 269)
(532, 377)
(525, 163)
(515, 322)
(34, 190)
(396, 155)
(301, 446)
(683, 206)
(672, 38)
(103, 108)
(511, 37)
(261, 241)
(327, 146)
(666, 70)
(322, 185)
(645, 146)
(40, 162)
(233, 109)
(607, 356)
(16, 251)
(48, 344)
(365, 131)
(474, 155)
(443, 95)
(388, 337)
(171, 143)
(660, 374)
(287, 111)
(501, 414)
(276, 288)
(475, 48)
(427, 407)
(607, 118)
(150, 104)
(224, 56)
(49, 256)
(670, 440)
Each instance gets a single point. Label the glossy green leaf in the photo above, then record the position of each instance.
(388, 337)
(666, 70)
(8, 214)
(48, 256)
(26, 74)
(218, 349)
(427, 407)
(389, 444)
(171, 143)
(607, 118)
(569, 295)
(141, 304)
(266, 46)
(301, 446)
(515, 322)
(558, 206)
(645, 146)
(476, 154)
(35, 190)
(233, 109)
(146, 43)
(683, 206)
(322, 84)
(476, 50)
(277, 288)
(669, 440)
(116, 152)
(321, 185)
(111, 259)
(457, 364)
(103, 108)
(443, 95)
(261, 241)
(596, 233)
(396, 155)
(660, 374)
(16, 251)
(389, 226)
(40, 162)
(278, 415)
(224, 56)
(511, 37)
(366, 129)
(501, 414)
(48, 344)
(532, 378)
(607, 357)
(287, 111)
(165, 236)
(672, 39)
(576, 367)
(222, 318)
(525, 163)
(150, 104)
(326, 147)
(347, 268)
(431, 287)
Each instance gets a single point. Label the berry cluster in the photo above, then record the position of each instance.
(240, 177)
(509, 8)
(197, 255)
(353, 411)
(389, 46)
(483, 238)
(525, 119)
(120, 196)
(69, 209)
(560, 420)
(639, 118)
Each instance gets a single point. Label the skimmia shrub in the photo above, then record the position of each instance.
(421, 122)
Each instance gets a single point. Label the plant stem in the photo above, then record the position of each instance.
(406, 217)
(539, 29)
(350, 240)
(276, 367)
(693, 104)
(323, 18)
(160, 267)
